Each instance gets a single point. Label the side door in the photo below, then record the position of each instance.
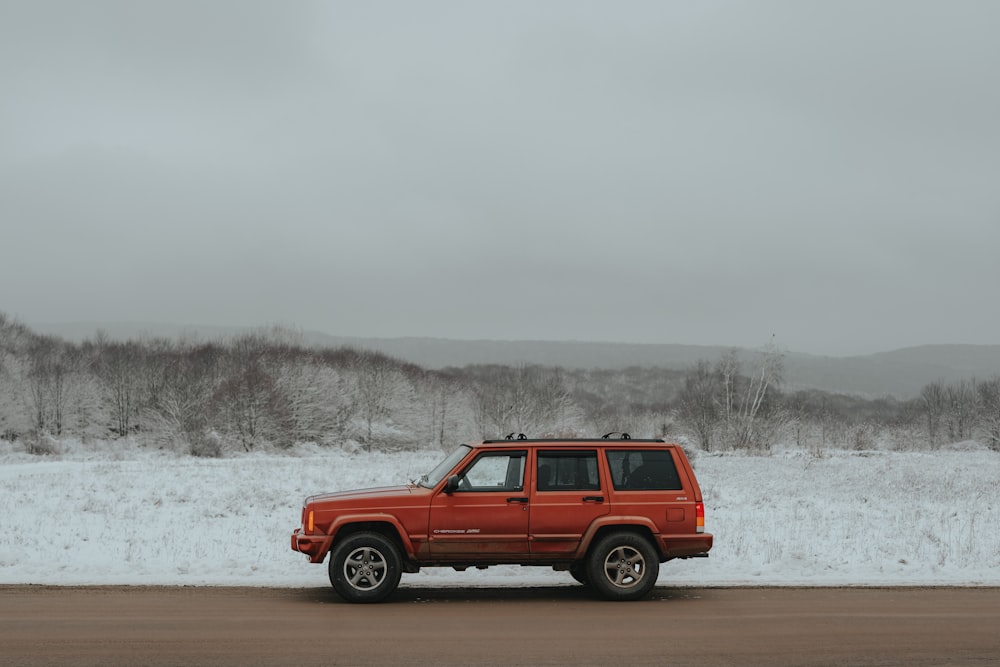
(567, 497)
(486, 516)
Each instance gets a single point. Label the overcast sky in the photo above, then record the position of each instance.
(662, 172)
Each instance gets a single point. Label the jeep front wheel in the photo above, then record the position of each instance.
(623, 566)
(365, 567)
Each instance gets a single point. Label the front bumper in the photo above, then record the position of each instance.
(313, 546)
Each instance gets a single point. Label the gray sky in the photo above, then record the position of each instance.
(669, 172)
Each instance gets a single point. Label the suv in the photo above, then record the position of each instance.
(607, 510)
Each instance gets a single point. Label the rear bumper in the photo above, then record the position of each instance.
(313, 546)
(686, 546)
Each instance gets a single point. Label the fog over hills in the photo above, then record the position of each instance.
(899, 373)
(672, 172)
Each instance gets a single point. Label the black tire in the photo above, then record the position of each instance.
(365, 567)
(578, 571)
(623, 566)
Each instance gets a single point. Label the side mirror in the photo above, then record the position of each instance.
(451, 485)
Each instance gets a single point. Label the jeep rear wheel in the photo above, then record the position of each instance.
(623, 566)
(365, 567)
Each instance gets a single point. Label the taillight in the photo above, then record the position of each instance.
(699, 512)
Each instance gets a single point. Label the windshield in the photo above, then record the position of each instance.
(431, 479)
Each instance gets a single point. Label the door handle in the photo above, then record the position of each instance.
(517, 500)
(593, 499)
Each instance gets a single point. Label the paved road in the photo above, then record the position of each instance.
(539, 626)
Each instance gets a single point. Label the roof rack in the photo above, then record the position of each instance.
(608, 436)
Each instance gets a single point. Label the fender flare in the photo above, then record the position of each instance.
(622, 522)
(349, 519)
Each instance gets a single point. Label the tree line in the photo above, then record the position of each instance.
(727, 408)
(268, 389)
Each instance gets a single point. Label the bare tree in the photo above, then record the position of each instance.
(118, 366)
(989, 401)
(16, 341)
(524, 399)
(933, 403)
(320, 397)
(721, 397)
(376, 380)
(767, 376)
(248, 400)
(181, 380)
(51, 363)
(699, 405)
(744, 400)
(494, 406)
(441, 406)
(962, 409)
(728, 371)
(542, 404)
(249, 403)
(40, 356)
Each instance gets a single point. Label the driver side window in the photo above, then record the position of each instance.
(494, 471)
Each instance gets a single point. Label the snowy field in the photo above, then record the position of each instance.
(107, 514)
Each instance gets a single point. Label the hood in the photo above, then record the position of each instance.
(379, 492)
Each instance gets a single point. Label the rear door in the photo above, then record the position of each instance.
(566, 497)
(648, 482)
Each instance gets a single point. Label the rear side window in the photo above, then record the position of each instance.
(568, 471)
(643, 470)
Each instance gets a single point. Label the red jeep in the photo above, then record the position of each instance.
(608, 511)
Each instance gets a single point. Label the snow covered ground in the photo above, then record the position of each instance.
(113, 514)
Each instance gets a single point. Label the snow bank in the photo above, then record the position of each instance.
(97, 515)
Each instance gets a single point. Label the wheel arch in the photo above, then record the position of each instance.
(639, 525)
(385, 525)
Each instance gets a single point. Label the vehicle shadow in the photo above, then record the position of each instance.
(427, 594)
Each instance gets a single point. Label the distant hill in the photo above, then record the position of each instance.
(899, 373)
(440, 353)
